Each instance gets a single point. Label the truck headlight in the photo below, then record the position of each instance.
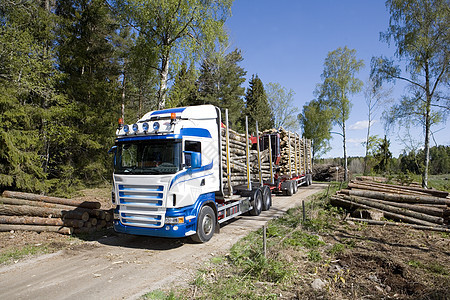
(174, 220)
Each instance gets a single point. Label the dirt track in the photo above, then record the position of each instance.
(126, 267)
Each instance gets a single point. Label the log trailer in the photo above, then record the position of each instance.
(172, 178)
(290, 156)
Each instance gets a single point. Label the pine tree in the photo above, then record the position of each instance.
(220, 84)
(257, 106)
(87, 58)
(27, 94)
(184, 90)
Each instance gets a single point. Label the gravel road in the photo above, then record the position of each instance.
(125, 266)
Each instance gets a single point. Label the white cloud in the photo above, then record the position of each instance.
(361, 125)
(356, 141)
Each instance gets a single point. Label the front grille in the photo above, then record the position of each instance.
(141, 205)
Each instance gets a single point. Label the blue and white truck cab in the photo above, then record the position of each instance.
(167, 179)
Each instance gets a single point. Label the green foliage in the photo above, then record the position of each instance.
(220, 84)
(316, 122)
(339, 82)
(257, 106)
(383, 156)
(183, 91)
(337, 249)
(160, 295)
(314, 256)
(177, 29)
(27, 95)
(281, 102)
(420, 32)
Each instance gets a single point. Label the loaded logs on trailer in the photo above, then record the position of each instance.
(31, 212)
(294, 153)
(370, 201)
(293, 159)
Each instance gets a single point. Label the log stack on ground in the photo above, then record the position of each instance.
(370, 201)
(328, 172)
(31, 212)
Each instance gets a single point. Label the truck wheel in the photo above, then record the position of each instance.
(257, 203)
(267, 198)
(206, 224)
(294, 183)
(290, 190)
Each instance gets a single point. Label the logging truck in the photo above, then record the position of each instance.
(174, 174)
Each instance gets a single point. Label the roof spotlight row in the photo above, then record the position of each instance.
(145, 127)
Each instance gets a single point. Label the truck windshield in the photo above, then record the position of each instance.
(148, 157)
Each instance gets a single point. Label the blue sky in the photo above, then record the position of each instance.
(287, 42)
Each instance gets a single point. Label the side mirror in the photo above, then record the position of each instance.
(112, 150)
(193, 159)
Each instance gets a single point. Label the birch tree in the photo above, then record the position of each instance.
(177, 28)
(420, 31)
(339, 82)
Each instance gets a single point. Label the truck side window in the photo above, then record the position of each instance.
(192, 147)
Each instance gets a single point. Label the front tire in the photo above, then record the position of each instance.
(206, 225)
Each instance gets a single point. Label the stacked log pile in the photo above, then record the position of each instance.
(238, 160)
(423, 208)
(328, 172)
(31, 212)
(385, 180)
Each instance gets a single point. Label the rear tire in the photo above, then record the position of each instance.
(290, 190)
(257, 203)
(267, 198)
(206, 225)
(294, 183)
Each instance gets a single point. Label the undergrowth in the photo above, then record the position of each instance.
(246, 273)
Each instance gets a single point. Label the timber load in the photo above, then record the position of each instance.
(238, 149)
(295, 154)
(295, 158)
(31, 212)
(372, 202)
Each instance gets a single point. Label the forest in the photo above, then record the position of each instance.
(69, 69)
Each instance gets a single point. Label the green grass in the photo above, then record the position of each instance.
(160, 295)
(17, 254)
(434, 267)
(246, 273)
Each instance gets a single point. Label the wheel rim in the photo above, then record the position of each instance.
(207, 224)
(259, 201)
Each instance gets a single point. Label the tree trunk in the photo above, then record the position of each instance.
(348, 203)
(92, 212)
(59, 229)
(25, 210)
(427, 124)
(24, 220)
(396, 210)
(345, 152)
(387, 223)
(367, 144)
(56, 200)
(163, 82)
